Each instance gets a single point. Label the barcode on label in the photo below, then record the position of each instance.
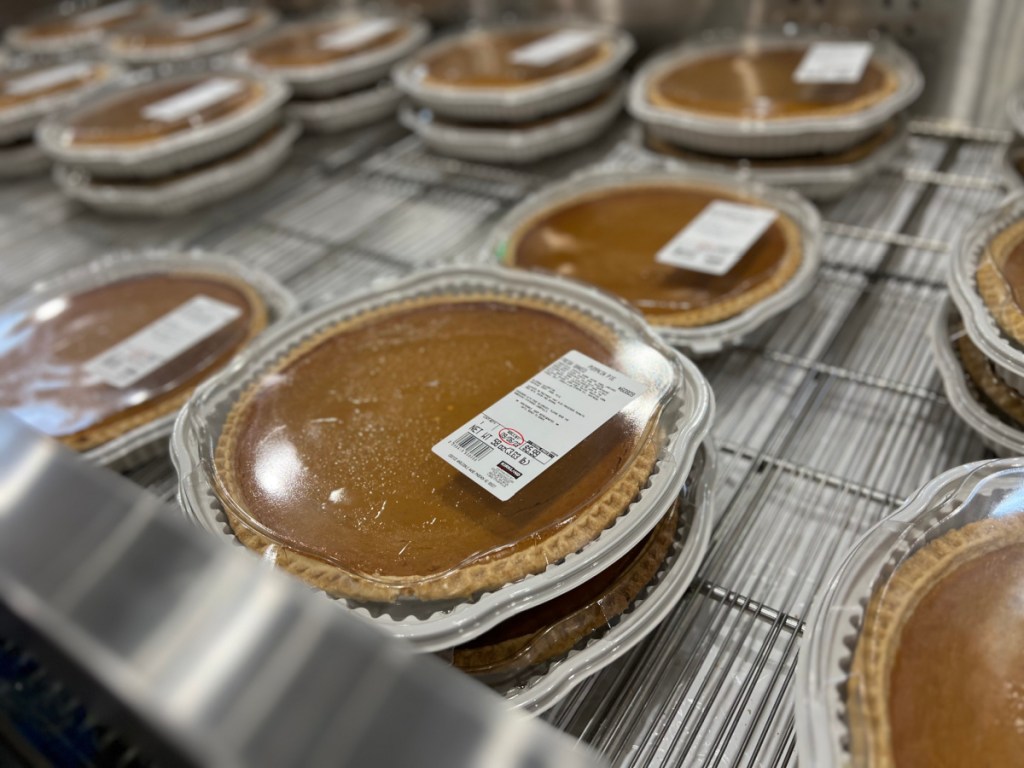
(473, 447)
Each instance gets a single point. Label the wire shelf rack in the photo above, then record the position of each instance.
(827, 418)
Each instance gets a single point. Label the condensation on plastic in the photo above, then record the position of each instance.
(678, 407)
(971, 251)
(188, 191)
(153, 40)
(344, 113)
(1000, 433)
(954, 499)
(524, 102)
(777, 137)
(821, 182)
(19, 120)
(701, 340)
(513, 143)
(49, 298)
(76, 36)
(191, 143)
(346, 72)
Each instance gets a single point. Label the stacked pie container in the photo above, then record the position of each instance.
(1013, 159)
(164, 145)
(515, 93)
(821, 151)
(976, 337)
(338, 67)
(543, 654)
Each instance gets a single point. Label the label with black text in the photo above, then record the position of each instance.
(553, 48)
(357, 34)
(834, 63)
(715, 241)
(48, 78)
(532, 427)
(193, 100)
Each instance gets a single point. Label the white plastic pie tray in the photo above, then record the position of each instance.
(165, 155)
(18, 122)
(1001, 438)
(150, 440)
(952, 500)
(344, 113)
(1006, 355)
(816, 182)
(115, 47)
(555, 680)
(702, 340)
(349, 73)
(189, 192)
(685, 422)
(777, 137)
(514, 144)
(525, 102)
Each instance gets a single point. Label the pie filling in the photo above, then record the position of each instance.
(1011, 268)
(610, 239)
(163, 32)
(956, 688)
(993, 391)
(550, 629)
(330, 454)
(308, 45)
(84, 21)
(854, 154)
(44, 349)
(120, 119)
(759, 84)
(485, 60)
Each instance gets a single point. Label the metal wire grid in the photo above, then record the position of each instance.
(827, 418)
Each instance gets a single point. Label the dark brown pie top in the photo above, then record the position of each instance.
(43, 349)
(302, 45)
(12, 94)
(610, 239)
(758, 83)
(483, 59)
(86, 20)
(330, 455)
(119, 118)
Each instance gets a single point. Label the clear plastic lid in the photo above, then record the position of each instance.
(913, 649)
(20, 86)
(100, 18)
(324, 41)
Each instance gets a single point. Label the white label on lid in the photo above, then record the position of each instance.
(357, 34)
(161, 341)
(532, 427)
(192, 100)
(834, 63)
(48, 78)
(552, 48)
(105, 13)
(212, 22)
(718, 238)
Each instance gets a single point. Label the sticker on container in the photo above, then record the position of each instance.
(212, 22)
(715, 241)
(532, 427)
(554, 48)
(358, 34)
(105, 14)
(48, 78)
(834, 63)
(193, 100)
(161, 341)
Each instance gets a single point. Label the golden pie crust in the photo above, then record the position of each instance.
(490, 571)
(996, 292)
(993, 389)
(584, 613)
(891, 608)
(887, 84)
(786, 266)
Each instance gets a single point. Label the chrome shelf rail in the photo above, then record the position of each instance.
(826, 419)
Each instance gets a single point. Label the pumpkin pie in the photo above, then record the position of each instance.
(995, 392)
(127, 118)
(317, 43)
(324, 462)
(609, 237)
(83, 27)
(1000, 279)
(938, 669)
(45, 348)
(553, 628)
(756, 83)
(185, 35)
